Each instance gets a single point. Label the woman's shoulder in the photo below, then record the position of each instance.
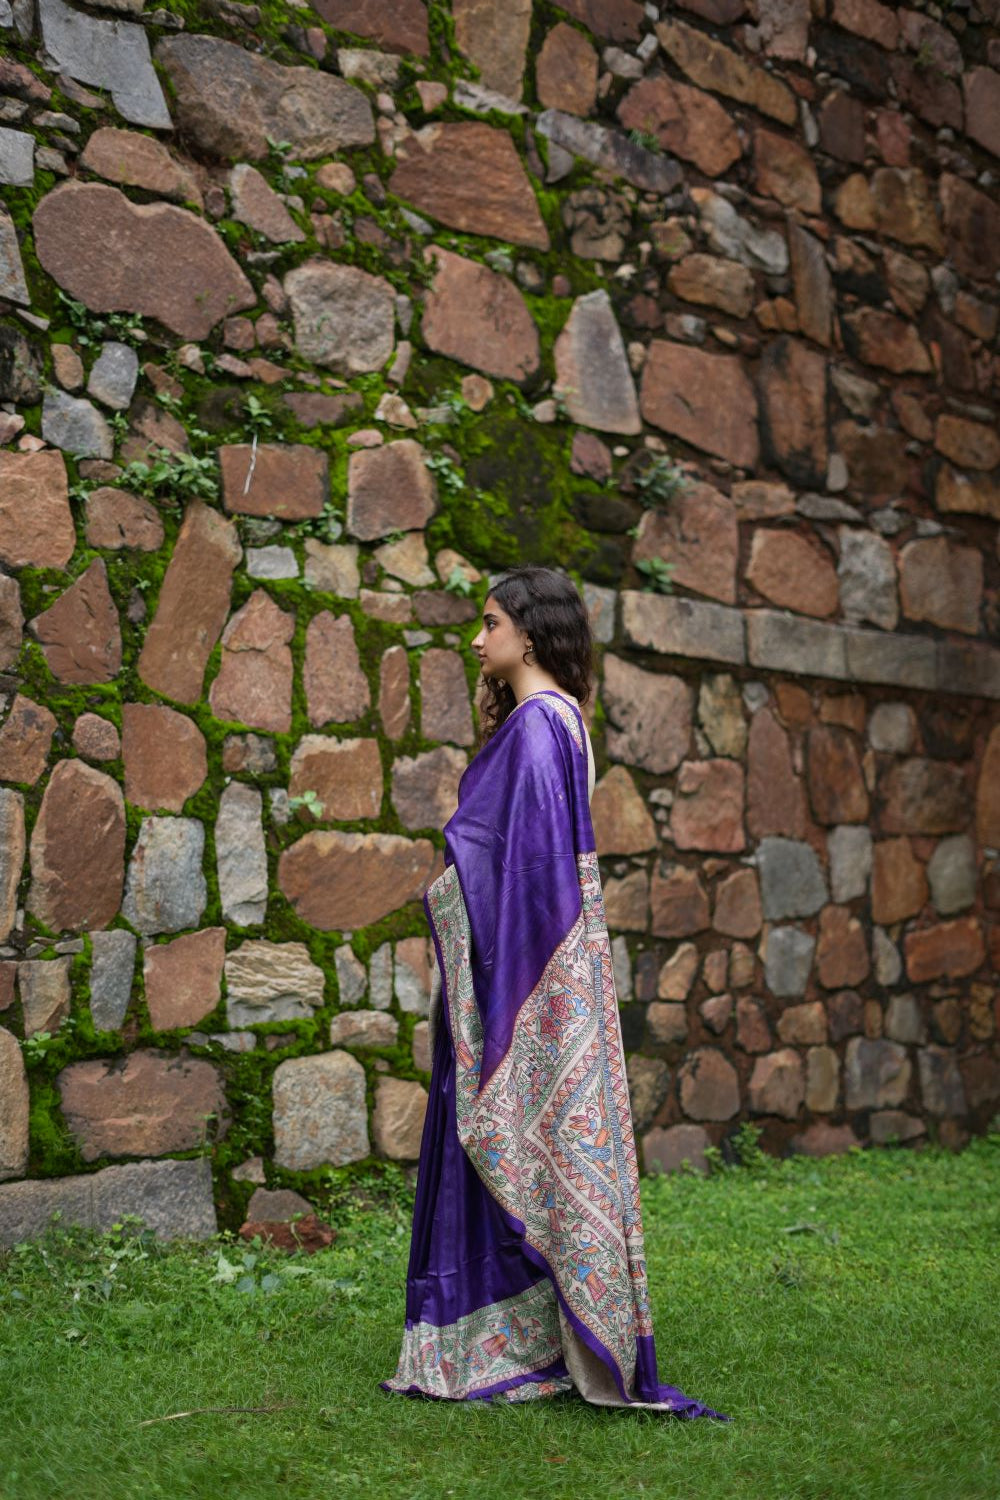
(555, 705)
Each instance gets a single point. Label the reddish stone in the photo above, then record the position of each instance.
(336, 688)
(622, 824)
(80, 633)
(399, 27)
(192, 607)
(892, 135)
(899, 885)
(74, 226)
(445, 713)
(841, 951)
(306, 1235)
(78, 849)
(704, 399)
(971, 445)
(942, 583)
(904, 207)
(925, 796)
(784, 170)
(425, 787)
(96, 738)
(876, 457)
(686, 122)
(164, 755)
(948, 951)
(842, 127)
(394, 692)
(708, 806)
(794, 704)
(389, 489)
(135, 160)
(116, 519)
(925, 91)
(469, 176)
(753, 1034)
(154, 1104)
(792, 386)
(666, 1023)
(11, 621)
(36, 523)
(803, 1025)
(699, 536)
(982, 107)
(478, 317)
(776, 801)
(291, 483)
(566, 71)
(713, 65)
(648, 713)
(837, 788)
(678, 902)
(254, 685)
(349, 880)
(737, 905)
(869, 19)
(879, 338)
(708, 1086)
(315, 410)
(716, 1012)
(972, 224)
(590, 456)
(346, 776)
(777, 1084)
(988, 793)
(792, 572)
(183, 978)
(712, 282)
(25, 741)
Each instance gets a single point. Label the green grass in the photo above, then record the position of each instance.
(844, 1312)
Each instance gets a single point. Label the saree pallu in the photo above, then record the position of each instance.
(527, 1272)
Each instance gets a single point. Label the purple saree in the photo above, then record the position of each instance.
(527, 1273)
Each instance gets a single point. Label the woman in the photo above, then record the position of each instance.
(527, 1274)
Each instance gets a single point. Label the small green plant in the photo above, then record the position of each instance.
(35, 1047)
(118, 422)
(660, 481)
(278, 153)
(173, 477)
(259, 419)
(170, 402)
(309, 800)
(328, 526)
(646, 139)
(560, 395)
(458, 583)
(658, 575)
(94, 328)
(446, 470)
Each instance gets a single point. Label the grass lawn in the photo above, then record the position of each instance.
(844, 1312)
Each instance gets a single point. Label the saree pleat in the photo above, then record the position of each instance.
(527, 1271)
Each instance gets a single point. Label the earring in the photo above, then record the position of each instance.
(530, 652)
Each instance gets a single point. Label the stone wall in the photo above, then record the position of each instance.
(313, 318)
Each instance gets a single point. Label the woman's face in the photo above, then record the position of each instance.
(499, 643)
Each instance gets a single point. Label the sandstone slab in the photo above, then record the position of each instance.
(708, 806)
(699, 536)
(109, 54)
(708, 1085)
(678, 902)
(792, 385)
(154, 1104)
(972, 226)
(268, 981)
(338, 881)
(713, 65)
(776, 801)
(389, 489)
(164, 754)
(705, 399)
(12, 849)
(777, 1084)
(165, 888)
(344, 317)
(478, 317)
(76, 223)
(837, 788)
(36, 523)
(134, 160)
(111, 973)
(45, 993)
(784, 170)
(941, 582)
(117, 520)
(445, 711)
(336, 688)
(192, 607)
(240, 855)
(25, 741)
(256, 204)
(622, 824)
(288, 481)
(649, 715)
(425, 787)
(400, 27)
(685, 121)
(229, 101)
(77, 849)
(566, 71)
(592, 369)
(737, 905)
(398, 1122)
(920, 795)
(319, 1111)
(254, 684)
(173, 1198)
(712, 281)
(950, 950)
(13, 1108)
(183, 978)
(470, 177)
(363, 1028)
(345, 775)
(495, 40)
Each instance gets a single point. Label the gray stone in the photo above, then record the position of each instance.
(413, 975)
(344, 317)
(826, 508)
(788, 643)
(666, 1150)
(256, 204)
(592, 369)
(600, 603)
(481, 101)
(111, 977)
(886, 957)
(898, 661)
(849, 847)
(165, 888)
(380, 976)
(45, 993)
(12, 850)
(351, 978)
(904, 1021)
(113, 376)
(271, 982)
(319, 1112)
(876, 1072)
(791, 879)
(892, 727)
(112, 55)
(173, 1198)
(17, 158)
(14, 1103)
(621, 967)
(730, 235)
(648, 1083)
(277, 1205)
(241, 857)
(652, 171)
(13, 286)
(941, 1082)
(75, 425)
(889, 1125)
(683, 627)
(788, 961)
(951, 871)
(271, 562)
(369, 66)
(363, 1028)
(867, 576)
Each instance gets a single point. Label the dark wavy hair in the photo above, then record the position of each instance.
(546, 604)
